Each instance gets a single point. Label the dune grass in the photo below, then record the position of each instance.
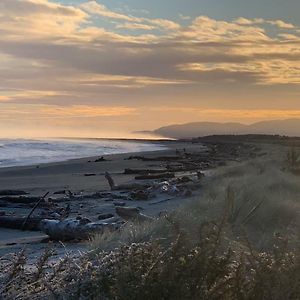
(259, 198)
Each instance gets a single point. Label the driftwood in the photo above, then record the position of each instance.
(155, 176)
(132, 214)
(182, 168)
(17, 222)
(100, 159)
(71, 229)
(144, 171)
(158, 158)
(141, 195)
(61, 192)
(33, 209)
(12, 193)
(20, 199)
(24, 205)
(161, 201)
(110, 180)
(130, 186)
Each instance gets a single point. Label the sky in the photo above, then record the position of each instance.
(108, 68)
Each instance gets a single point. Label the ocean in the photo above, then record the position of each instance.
(23, 152)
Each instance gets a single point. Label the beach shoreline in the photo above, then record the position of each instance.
(71, 175)
(28, 152)
(19, 177)
(91, 195)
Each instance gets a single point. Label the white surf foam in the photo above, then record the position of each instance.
(22, 152)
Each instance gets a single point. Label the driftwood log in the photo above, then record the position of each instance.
(155, 176)
(73, 229)
(12, 193)
(13, 222)
(20, 199)
(158, 158)
(144, 171)
(33, 209)
(129, 186)
(132, 214)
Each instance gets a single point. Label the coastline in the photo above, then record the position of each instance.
(86, 176)
(29, 152)
(70, 175)
(32, 177)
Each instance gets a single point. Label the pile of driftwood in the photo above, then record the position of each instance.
(56, 224)
(55, 221)
(60, 226)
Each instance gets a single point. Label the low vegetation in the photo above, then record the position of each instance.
(238, 240)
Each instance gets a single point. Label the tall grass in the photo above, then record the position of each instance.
(259, 197)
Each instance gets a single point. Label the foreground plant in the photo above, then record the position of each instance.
(209, 269)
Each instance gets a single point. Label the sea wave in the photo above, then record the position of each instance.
(22, 152)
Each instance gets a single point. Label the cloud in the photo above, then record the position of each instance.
(84, 111)
(240, 50)
(92, 7)
(165, 24)
(95, 8)
(261, 71)
(38, 7)
(244, 115)
(44, 111)
(205, 28)
(126, 81)
(134, 26)
(278, 23)
(25, 95)
(4, 98)
(281, 24)
(59, 56)
(245, 21)
(183, 17)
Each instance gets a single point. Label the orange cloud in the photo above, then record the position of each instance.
(85, 111)
(4, 98)
(246, 115)
(41, 111)
(30, 94)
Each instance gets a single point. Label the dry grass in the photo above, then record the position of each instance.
(260, 198)
(208, 268)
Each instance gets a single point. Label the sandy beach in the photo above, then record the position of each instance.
(81, 177)
(80, 187)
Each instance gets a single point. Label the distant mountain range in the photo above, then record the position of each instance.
(290, 127)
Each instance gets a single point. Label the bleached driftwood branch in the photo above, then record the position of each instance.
(130, 186)
(71, 229)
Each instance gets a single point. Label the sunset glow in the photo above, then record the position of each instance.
(103, 68)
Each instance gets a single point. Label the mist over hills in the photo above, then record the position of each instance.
(289, 127)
